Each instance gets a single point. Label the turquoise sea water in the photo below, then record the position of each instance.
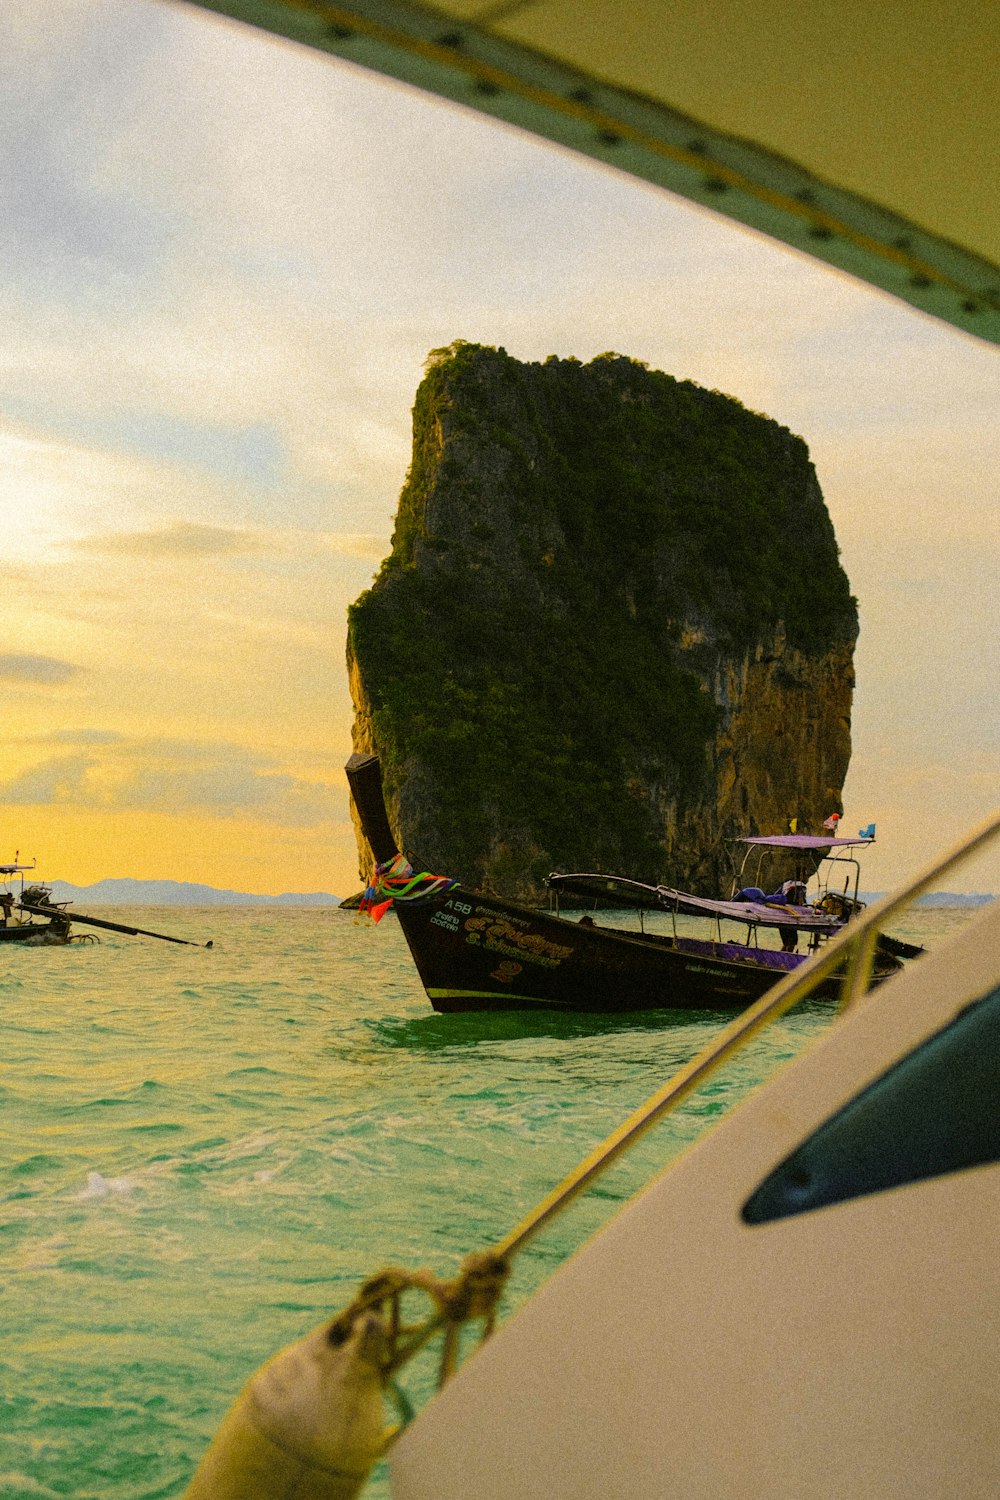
(203, 1152)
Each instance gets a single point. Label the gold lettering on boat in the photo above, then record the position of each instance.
(499, 934)
(505, 971)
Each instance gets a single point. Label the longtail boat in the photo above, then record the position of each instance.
(29, 916)
(40, 923)
(475, 951)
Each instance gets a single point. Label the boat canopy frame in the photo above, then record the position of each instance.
(757, 910)
(822, 859)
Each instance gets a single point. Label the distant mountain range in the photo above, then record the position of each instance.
(939, 898)
(176, 893)
(128, 892)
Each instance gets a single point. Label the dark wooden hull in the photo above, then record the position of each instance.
(36, 934)
(474, 952)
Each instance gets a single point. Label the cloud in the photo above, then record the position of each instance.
(190, 539)
(181, 539)
(55, 781)
(36, 671)
(247, 452)
(218, 781)
(75, 737)
(58, 486)
(365, 546)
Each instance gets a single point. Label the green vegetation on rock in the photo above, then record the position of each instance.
(577, 548)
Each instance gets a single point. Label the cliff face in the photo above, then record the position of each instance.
(612, 632)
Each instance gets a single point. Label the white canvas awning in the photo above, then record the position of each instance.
(863, 135)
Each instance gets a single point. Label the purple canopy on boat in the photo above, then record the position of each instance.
(804, 841)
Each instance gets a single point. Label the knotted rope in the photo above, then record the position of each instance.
(474, 1293)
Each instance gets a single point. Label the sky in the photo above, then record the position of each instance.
(224, 260)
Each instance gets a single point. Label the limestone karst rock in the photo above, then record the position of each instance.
(613, 629)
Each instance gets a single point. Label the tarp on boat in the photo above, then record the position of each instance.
(755, 913)
(617, 890)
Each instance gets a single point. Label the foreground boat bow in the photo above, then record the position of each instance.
(802, 1307)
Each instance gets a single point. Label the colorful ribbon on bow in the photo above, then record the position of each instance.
(396, 881)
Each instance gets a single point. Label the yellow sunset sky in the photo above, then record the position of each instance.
(224, 261)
